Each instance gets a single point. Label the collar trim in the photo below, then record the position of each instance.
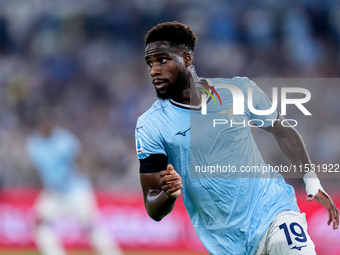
(193, 107)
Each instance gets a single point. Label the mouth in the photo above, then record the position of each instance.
(160, 84)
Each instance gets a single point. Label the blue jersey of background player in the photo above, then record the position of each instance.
(53, 152)
(230, 215)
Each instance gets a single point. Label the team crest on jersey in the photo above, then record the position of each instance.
(139, 147)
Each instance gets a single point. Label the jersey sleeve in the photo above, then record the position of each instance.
(148, 140)
(72, 142)
(260, 101)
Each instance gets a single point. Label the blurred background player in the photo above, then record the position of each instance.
(53, 152)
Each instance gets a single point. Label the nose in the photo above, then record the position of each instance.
(155, 70)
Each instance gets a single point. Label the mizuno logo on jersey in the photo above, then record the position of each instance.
(298, 247)
(184, 133)
(138, 128)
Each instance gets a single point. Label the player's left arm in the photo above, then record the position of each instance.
(291, 143)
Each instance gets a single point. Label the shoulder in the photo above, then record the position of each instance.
(155, 111)
(66, 136)
(62, 132)
(241, 82)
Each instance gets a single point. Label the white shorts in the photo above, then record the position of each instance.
(287, 235)
(80, 205)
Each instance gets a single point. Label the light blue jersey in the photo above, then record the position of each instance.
(54, 159)
(230, 211)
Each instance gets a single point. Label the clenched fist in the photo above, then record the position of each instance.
(171, 182)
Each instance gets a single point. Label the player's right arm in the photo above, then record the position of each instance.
(160, 182)
(160, 189)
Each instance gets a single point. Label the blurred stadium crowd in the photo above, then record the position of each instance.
(83, 60)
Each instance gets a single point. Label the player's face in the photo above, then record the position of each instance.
(167, 69)
(45, 127)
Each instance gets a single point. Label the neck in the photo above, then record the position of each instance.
(191, 95)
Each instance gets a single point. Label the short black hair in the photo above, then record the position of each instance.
(177, 34)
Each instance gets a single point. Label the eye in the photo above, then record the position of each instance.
(149, 63)
(162, 60)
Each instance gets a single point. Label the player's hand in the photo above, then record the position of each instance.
(171, 182)
(324, 199)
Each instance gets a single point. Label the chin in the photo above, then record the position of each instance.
(162, 94)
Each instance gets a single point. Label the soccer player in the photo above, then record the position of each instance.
(53, 152)
(232, 214)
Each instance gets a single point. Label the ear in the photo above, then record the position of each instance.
(188, 59)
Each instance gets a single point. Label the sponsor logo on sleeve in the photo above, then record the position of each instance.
(139, 147)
